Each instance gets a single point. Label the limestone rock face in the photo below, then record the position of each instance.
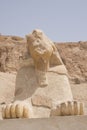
(12, 52)
(74, 56)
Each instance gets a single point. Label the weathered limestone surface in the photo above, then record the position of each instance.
(45, 81)
(41, 101)
(18, 109)
(58, 89)
(12, 52)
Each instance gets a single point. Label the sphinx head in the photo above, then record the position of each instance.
(40, 49)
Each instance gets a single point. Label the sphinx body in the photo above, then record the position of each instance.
(44, 83)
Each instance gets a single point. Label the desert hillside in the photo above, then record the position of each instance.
(74, 55)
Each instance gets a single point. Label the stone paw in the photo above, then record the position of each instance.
(16, 110)
(68, 108)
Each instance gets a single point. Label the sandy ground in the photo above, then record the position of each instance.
(55, 123)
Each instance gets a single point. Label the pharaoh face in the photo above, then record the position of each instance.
(40, 50)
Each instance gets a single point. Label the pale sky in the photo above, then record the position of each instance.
(61, 20)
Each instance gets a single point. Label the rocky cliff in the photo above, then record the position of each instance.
(74, 55)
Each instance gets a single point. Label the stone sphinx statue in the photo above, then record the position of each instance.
(42, 87)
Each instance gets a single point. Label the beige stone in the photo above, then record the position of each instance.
(81, 108)
(44, 79)
(7, 80)
(13, 111)
(7, 111)
(3, 115)
(68, 108)
(42, 101)
(19, 109)
(26, 112)
(56, 111)
(41, 112)
(42, 50)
